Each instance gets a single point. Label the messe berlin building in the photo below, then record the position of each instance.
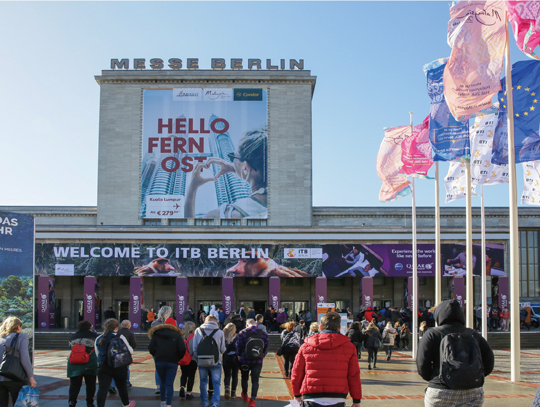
(205, 198)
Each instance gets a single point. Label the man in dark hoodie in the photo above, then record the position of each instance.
(450, 319)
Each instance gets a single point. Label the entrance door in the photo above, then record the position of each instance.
(293, 308)
(258, 306)
(79, 306)
(122, 310)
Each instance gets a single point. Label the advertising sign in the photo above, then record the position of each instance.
(227, 295)
(181, 298)
(204, 153)
(135, 303)
(323, 308)
(459, 291)
(89, 303)
(275, 292)
(367, 293)
(504, 293)
(43, 303)
(321, 289)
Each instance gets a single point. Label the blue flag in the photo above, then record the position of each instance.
(526, 92)
(449, 138)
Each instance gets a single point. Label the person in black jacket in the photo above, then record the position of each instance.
(450, 319)
(125, 329)
(373, 341)
(167, 346)
(355, 336)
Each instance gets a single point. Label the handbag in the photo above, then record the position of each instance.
(386, 339)
(377, 343)
(280, 351)
(11, 366)
(28, 396)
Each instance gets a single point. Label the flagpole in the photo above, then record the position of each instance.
(469, 306)
(415, 271)
(438, 272)
(484, 273)
(515, 340)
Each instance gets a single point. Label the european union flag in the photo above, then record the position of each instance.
(526, 92)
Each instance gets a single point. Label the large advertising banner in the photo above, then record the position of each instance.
(135, 303)
(182, 290)
(90, 300)
(204, 153)
(454, 260)
(16, 274)
(274, 290)
(321, 289)
(227, 294)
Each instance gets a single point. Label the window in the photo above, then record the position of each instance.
(211, 281)
(168, 280)
(256, 222)
(336, 282)
(204, 222)
(230, 222)
(528, 263)
(294, 281)
(252, 281)
(152, 222)
(379, 281)
(125, 280)
(178, 222)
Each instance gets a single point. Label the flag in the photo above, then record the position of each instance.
(482, 169)
(455, 182)
(531, 184)
(524, 17)
(526, 92)
(449, 138)
(477, 36)
(416, 151)
(389, 163)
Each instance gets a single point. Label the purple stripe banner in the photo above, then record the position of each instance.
(89, 303)
(274, 285)
(321, 291)
(227, 287)
(366, 286)
(504, 292)
(181, 298)
(135, 300)
(43, 302)
(459, 290)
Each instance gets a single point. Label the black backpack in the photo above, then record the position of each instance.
(207, 351)
(254, 349)
(118, 354)
(230, 353)
(461, 361)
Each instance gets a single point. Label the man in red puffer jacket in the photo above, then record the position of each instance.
(326, 366)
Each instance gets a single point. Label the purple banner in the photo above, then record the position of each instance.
(410, 298)
(227, 287)
(135, 300)
(43, 302)
(459, 291)
(321, 290)
(366, 287)
(89, 303)
(97, 305)
(181, 298)
(504, 292)
(274, 292)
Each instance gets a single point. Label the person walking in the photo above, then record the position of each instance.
(150, 317)
(326, 368)
(313, 329)
(389, 335)
(167, 347)
(373, 342)
(79, 371)
(11, 335)
(404, 333)
(281, 318)
(451, 320)
(290, 344)
(230, 361)
(125, 329)
(163, 313)
(107, 373)
(251, 348)
(187, 380)
(422, 330)
(355, 336)
(260, 318)
(302, 330)
(214, 336)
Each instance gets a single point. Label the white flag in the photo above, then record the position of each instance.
(482, 170)
(531, 184)
(455, 182)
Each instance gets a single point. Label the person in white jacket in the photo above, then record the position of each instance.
(390, 333)
(214, 312)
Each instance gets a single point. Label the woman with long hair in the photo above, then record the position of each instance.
(313, 329)
(373, 342)
(163, 313)
(290, 344)
(422, 330)
(106, 373)
(188, 371)
(230, 361)
(11, 335)
(404, 333)
(390, 333)
(355, 336)
(79, 371)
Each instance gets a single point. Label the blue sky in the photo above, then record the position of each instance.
(367, 56)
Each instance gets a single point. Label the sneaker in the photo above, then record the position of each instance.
(374, 367)
(233, 395)
(369, 367)
(157, 390)
(245, 397)
(227, 394)
(129, 385)
(189, 396)
(182, 393)
(163, 404)
(131, 404)
(112, 390)
(210, 394)
(388, 358)
(251, 403)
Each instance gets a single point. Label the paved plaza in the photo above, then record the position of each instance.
(395, 380)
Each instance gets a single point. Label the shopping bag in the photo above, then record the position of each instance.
(28, 397)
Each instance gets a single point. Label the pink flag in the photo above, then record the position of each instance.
(477, 35)
(416, 151)
(524, 17)
(389, 163)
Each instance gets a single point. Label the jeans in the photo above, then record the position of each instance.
(289, 361)
(372, 356)
(188, 376)
(215, 374)
(388, 350)
(255, 370)
(231, 372)
(167, 374)
(105, 376)
(75, 384)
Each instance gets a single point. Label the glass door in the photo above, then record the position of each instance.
(122, 310)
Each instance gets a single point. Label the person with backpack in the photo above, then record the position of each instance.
(168, 348)
(208, 348)
(125, 329)
(188, 365)
(290, 344)
(82, 363)
(462, 383)
(495, 316)
(373, 341)
(302, 330)
(230, 361)
(114, 356)
(251, 349)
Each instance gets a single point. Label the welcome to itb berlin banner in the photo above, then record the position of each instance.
(17, 268)
(204, 152)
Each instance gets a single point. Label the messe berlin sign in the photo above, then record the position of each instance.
(215, 63)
